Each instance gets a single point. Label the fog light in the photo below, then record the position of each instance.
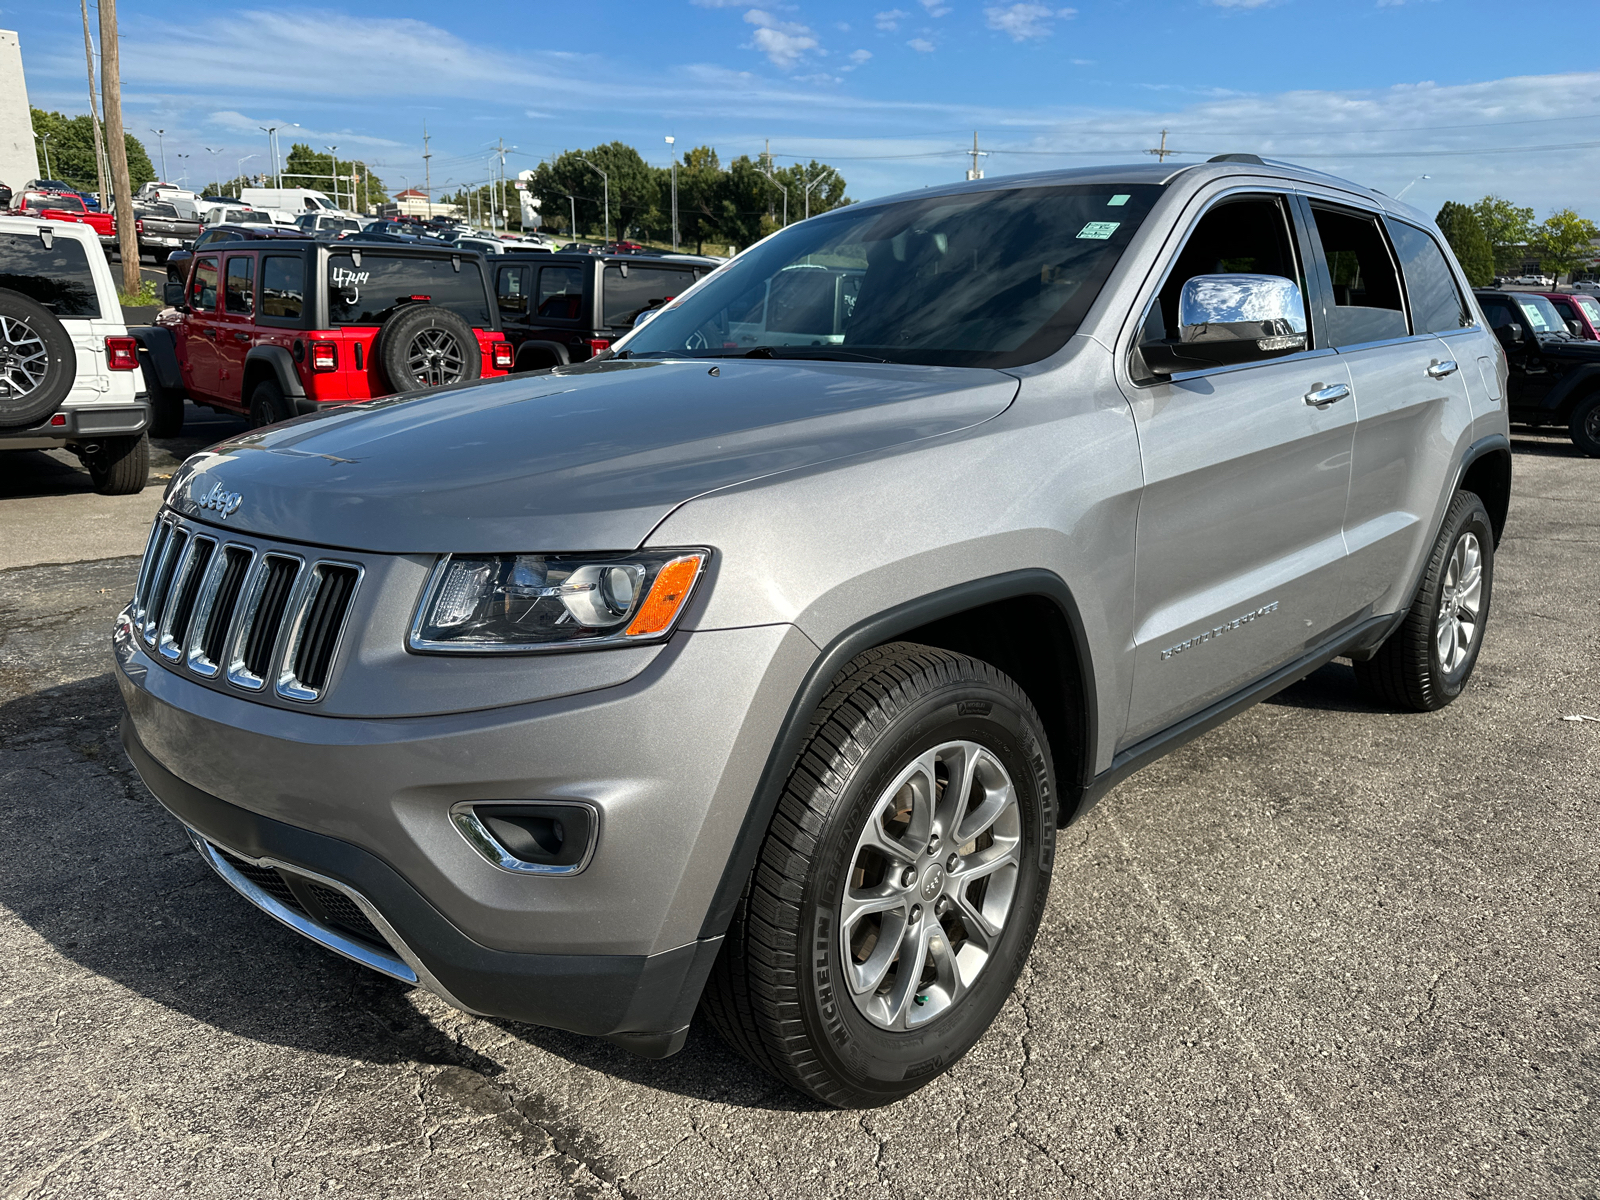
(555, 838)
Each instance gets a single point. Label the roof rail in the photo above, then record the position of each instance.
(1244, 158)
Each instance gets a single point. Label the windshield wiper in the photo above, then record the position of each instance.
(823, 353)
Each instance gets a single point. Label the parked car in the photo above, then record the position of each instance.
(178, 260)
(67, 207)
(762, 679)
(186, 202)
(322, 224)
(163, 230)
(1580, 312)
(68, 369)
(1591, 286)
(235, 214)
(271, 329)
(562, 308)
(1554, 376)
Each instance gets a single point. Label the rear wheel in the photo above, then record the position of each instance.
(899, 888)
(1585, 425)
(119, 466)
(161, 257)
(267, 405)
(1426, 662)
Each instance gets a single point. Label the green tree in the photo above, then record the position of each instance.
(1464, 231)
(71, 150)
(1508, 228)
(1565, 243)
(307, 168)
(633, 186)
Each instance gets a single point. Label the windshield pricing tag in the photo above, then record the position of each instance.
(1099, 230)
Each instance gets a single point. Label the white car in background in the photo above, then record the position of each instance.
(69, 373)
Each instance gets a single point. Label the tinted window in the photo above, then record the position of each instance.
(162, 210)
(57, 203)
(991, 278)
(1498, 312)
(1436, 304)
(1591, 306)
(203, 286)
(1366, 289)
(240, 296)
(512, 292)
(282, 285)
(643, 287)
(561, 293)
(1249, 236)
(57, 278)
(1539, 315)
(369, 294)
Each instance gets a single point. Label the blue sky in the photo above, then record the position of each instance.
(1381, 91)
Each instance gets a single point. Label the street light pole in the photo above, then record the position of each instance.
(1412, 184)
(671, 141)
(334, 152)
(272, 149)
(238, 176)
(183, 167)
(813, 184)
(44, 140)
(161, 143)
(605, 181)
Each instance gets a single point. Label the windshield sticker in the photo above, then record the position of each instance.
(1118, 200)
(1099, 230)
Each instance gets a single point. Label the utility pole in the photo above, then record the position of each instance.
(1162, 153)
(975, 172)
(503, 217)
(671, 142)
(427, 170)
(94, 112)
(111, 92)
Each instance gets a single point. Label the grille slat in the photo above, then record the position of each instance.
(241, 615)
(344, 913)
(268, 880)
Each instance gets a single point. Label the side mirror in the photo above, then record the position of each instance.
(172, 295)
(1227, 319)
(1575, 328)
(1509, 335)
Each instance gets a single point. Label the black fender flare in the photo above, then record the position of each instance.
(1579, 382)
(277, 362)
(158, 358)
(872, 631)
(555, 349)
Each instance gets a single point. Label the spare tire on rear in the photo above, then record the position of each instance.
(37, 361)
(422, 347)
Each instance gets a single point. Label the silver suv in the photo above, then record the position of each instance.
(754, 666)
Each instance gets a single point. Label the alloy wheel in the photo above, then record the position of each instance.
(23, 358)
(1460, 603)
(435, 358)
(930, 888)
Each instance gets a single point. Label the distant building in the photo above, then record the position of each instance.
(19, 157)
(414, 202)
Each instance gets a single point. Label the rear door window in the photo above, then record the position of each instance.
(626, 296)
(283, 280)
(561, 293)
(57, 276)
(239, 295)
(511, 291)
(370, 293)
(1436, 303)
(1367, 304)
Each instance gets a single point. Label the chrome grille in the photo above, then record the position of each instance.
(231, 612)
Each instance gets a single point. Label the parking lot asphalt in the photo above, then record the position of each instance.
(1322, 951)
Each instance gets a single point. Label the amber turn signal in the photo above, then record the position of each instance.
(668, 594)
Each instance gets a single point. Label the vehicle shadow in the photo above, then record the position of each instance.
(1332, 688)
(1545, 442)
(91, 863)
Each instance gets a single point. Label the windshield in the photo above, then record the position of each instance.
(1591, 308)
(1541, 315)
(991, 279)
(56, 203)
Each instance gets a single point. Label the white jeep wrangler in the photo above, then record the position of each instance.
(69, 372)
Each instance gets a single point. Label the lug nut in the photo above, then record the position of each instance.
(916, 913)
(952, 862)
(933, 843)
(908, 877)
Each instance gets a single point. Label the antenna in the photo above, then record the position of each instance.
(975, 173)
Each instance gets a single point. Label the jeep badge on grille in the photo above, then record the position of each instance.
(223, 502)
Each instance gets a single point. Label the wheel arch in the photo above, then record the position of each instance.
(1486, 471)
(1577, 384)
(159, 360)
(532, 349)
(997, 619)
(275, 363)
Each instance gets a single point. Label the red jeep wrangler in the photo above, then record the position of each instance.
(276, 329)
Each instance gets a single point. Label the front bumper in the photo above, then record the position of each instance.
(669, 760)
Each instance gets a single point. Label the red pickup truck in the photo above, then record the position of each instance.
(66, 206)
(275, 329)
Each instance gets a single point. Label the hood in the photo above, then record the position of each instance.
(590, 459)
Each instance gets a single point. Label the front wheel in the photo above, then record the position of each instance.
(899, 888)
(1426, 662)
(1585, 425)
(267, 405)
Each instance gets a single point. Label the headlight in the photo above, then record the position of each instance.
(489, 602)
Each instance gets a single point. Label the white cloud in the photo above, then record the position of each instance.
(718, 3)
(936, 8)
(1023, 22)
(287, 133)
(860, 56)
(889, 20)
(922, 45)
(783, 42)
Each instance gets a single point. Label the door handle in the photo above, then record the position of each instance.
(1321, 397)
(210, 333)
(241, 337)
(1438, 370)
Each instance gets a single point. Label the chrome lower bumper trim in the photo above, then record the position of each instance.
(401, 964)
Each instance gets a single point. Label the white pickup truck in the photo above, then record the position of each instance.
(69, 373)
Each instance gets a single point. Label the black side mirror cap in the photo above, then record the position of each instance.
(172, 295)
(1509, 335)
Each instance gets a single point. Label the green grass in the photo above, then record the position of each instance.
(143, 298)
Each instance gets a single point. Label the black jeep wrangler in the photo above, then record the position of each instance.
(1555, 375)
